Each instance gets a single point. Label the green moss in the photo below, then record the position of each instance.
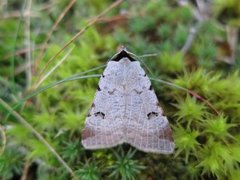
(207, 143)
(218, 127)
(189, 110)
(186, 140)
(171, 62)
(125, 167)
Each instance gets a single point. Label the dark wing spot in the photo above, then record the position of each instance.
(150, 88)
(98, 88)
(152, 114)
(138, 92)
(111, 92)
(144, 75)
(101, 114)
(103, 75)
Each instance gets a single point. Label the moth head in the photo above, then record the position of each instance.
(123, 54)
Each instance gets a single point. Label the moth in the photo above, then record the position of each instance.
(126, 110)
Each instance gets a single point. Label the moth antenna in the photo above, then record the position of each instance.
(136, 56)
(148, 55)
(144, 64)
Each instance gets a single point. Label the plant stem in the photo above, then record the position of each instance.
(37, 134)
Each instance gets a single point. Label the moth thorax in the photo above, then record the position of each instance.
(125, 61)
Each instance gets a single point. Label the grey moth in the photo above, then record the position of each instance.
(126, 110)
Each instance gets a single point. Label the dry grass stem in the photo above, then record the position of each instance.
(44, 46)
(37, 134)
(90, 23)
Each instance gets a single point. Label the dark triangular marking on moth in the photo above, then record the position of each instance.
(101, 114)
(123, 54)
(152, 114)
(138, 92)
(110, 92)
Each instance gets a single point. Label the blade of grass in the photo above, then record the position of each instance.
(19, 52)
(42, 89)
(74, 77)
(54, 68)
(9, 84)
(60, 17)
(37, 134)
(89, 24)
(170, 84)
(27, 32)
(148, 55)
(3, 140)
(12, 61)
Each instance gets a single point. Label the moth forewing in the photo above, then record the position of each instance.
(126, 110)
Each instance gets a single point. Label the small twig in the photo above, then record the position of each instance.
(44, 46)
(90, 23)
(191, 37)
(33, 14)
(25, 170)
(47, 6)
(54, 68)
(20, 52)
(17, 14)
(201, 14)
(232, 39)
(37, 134)
(114, 18)
(22, 67)
(196, 95)
(193, 93)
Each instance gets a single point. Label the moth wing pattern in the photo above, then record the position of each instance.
(126, 110)
(149, 130)
(103, 127)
